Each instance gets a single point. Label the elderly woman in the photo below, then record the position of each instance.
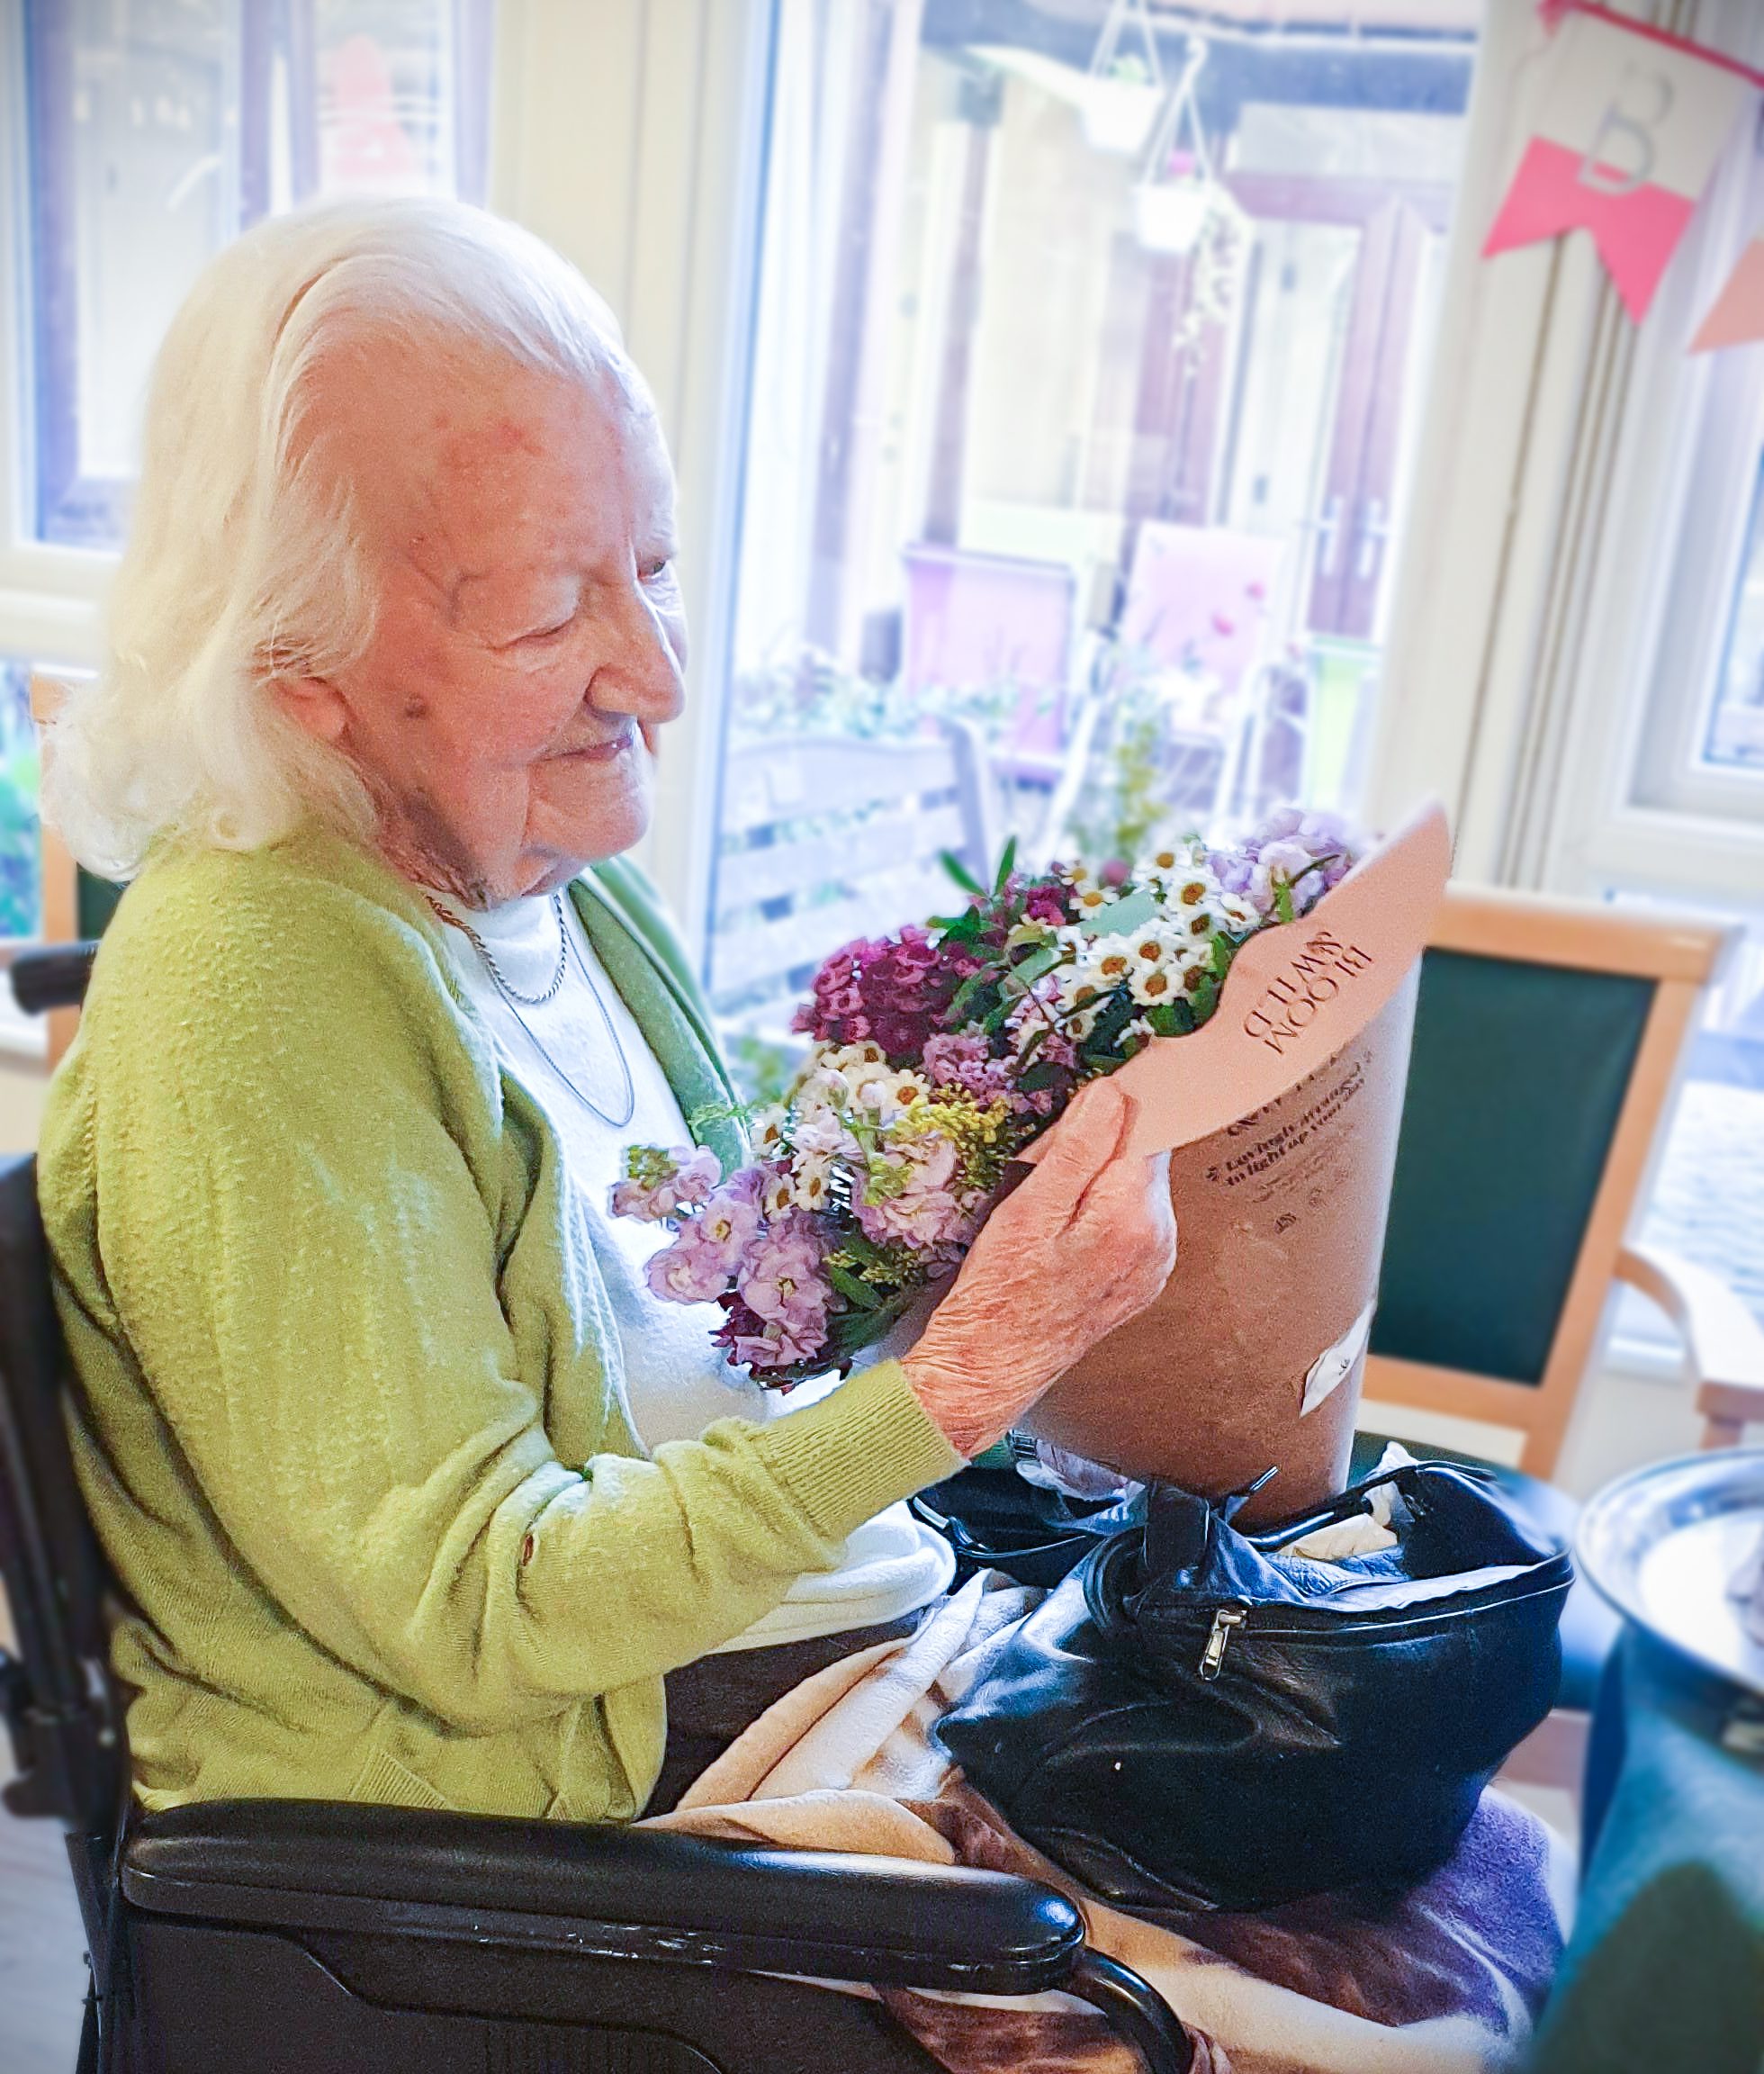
(416, 1492)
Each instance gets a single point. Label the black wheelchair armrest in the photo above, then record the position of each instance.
(602, 1890)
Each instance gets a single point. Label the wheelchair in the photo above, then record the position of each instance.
(290, 1937)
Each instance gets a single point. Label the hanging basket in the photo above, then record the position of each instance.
(1171, 216)
(1117, 115)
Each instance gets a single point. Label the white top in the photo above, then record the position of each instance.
(583, 1048)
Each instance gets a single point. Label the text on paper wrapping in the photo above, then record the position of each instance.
(1288, 1005)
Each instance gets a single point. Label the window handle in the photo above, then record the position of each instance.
(1373, 533)
(1328, 535)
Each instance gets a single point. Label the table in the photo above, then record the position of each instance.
(1664, 1973)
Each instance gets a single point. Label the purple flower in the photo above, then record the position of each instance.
(780, 1281)
(1233, 869)
(893, 990)
(709, 1250)
(687, 1272)
(1048, 902)
(965, 1062)
(658, 1185)
(912, 1195)
(1309, 853)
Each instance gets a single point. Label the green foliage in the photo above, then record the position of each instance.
(21, 857)
(760, 1068)
(810, 694)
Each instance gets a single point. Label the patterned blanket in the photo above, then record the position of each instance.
(1444, 1978)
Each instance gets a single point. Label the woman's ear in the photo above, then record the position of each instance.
(315, 704)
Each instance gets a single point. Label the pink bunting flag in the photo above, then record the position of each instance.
(1626, 132)
(1736, 318)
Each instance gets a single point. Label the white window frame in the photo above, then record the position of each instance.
(630, 134)
(51, 597)
(1663, 572)
(1532, 581)
(652, 188)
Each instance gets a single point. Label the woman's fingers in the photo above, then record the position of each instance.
(1088, 1240)
(1109, 1169)
(1080, 1148)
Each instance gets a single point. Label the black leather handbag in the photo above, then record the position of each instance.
(996, 1521)
(1194, 1720)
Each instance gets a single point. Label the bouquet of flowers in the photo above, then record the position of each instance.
(937, 1055)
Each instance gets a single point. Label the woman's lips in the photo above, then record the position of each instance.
(597, 752)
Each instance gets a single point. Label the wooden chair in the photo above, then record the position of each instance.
(1549, 1039)
(1548, 1043)
(825, 839)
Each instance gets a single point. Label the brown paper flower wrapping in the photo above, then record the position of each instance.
(1280, 1228)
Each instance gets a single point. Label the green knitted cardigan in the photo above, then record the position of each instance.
(346, 1412)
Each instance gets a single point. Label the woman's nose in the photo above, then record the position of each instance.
(642, 670)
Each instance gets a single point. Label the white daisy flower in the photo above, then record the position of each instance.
(1110, 960)
(811, 1181)
(768, 1132)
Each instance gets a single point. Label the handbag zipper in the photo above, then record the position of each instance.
(1228, 1619)
(1213, 1655)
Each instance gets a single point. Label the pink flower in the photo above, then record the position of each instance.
(895, 990)
(781, 1282)
(663, 1184)
(699, 1265)
(912, 1196)
(965, 1062)
(822, 1135)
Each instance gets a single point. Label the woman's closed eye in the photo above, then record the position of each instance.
(553, 631)
(548, 619)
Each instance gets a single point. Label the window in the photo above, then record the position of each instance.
(1666, 809)
(20, 861)
(1091, 348)
(156, 131)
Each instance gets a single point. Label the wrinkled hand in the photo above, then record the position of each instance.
(1080, 1247)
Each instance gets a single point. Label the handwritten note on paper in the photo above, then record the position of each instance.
(1295, 996)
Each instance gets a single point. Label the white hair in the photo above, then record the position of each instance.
(245, 560)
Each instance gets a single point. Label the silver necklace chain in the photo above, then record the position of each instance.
(516, 1001)
(511, 995)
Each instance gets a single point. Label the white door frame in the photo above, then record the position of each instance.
(630, 134)
(1527, 585)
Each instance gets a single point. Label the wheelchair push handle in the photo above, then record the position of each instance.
(52, 976)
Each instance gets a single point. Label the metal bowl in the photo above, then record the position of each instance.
(1664, 1544)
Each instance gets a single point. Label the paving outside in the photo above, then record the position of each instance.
(1709, 1198)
